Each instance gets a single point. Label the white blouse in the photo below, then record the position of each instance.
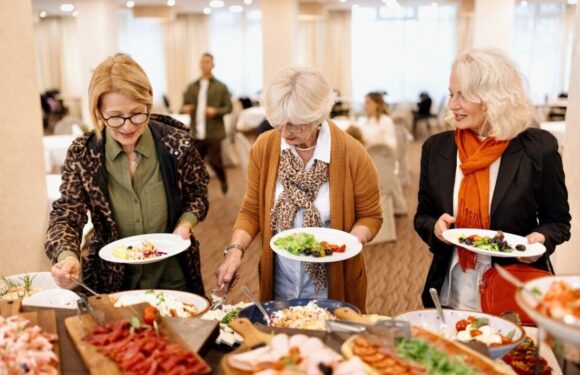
(291, 280)
(461, 289)
(379, 132)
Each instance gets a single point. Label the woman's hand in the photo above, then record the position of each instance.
(533, 237)
(361, 232)
(63, 270)
(183, 229)
(442, 225)
(228, 269)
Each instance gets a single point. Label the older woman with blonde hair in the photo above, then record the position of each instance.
(308, 173)
(136, 173)
(493, 172)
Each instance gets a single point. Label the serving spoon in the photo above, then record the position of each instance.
(258, 304)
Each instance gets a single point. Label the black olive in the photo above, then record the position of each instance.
(468, 241)
(129, 247)
(326, 370)
(328, 252)
(461, 239)
(521, 247)
(307, 252)
(316, 254)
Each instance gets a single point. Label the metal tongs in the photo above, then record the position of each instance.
(85, 307)
(383, 328)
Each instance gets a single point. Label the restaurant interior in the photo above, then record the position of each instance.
(402, 49)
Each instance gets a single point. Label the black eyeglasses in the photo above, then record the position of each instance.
(118, 121)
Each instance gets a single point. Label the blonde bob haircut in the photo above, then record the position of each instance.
(488, 77)
(120, 74)
(299, 96)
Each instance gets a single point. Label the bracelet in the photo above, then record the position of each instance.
(234, 246)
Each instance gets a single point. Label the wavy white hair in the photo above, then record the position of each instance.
(489, 77)
(298, 95)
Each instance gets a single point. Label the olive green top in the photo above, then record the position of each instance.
(139, 207)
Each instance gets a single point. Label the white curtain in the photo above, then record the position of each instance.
(57, 55)
(337, 55)
(235, 40)
(403, 51)
(186, 39)
(311, 42)
(542, 47)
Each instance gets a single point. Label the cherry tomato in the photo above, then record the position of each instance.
(150, 315)
(475, 332)
(461, 325)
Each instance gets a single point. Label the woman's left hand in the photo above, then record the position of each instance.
(362, 233)
(183, 229)
(533, 237)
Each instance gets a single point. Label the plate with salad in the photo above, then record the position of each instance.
(494, 243)
(315, 245)
(145, 248)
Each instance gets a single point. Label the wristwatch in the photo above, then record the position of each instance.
(234, 246)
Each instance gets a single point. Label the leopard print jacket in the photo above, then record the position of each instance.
(84, 189)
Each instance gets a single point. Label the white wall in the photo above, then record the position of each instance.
(23, 198)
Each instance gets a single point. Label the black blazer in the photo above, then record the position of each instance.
(530, 196)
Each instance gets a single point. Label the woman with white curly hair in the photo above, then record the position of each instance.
(306, 173)
(493, 172)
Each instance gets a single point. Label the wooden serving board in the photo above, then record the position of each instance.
(80, 326)
(45, 319)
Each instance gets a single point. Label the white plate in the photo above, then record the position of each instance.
(40, 281)
(171, 244)
(54, 298)
(566, 332)
(140, 296)
(453, 235)
(429, 319)
(332, 236)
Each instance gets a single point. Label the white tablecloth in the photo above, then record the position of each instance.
(250, 118)
(55, 148)
(557, 128)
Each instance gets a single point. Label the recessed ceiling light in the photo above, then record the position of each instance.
(170, 3)
(247, 2)
(524, 3)
(206, 10)
(75, 13)
(216, 3)
(236, 9)
(342, 1)
(572, 2)
(130, 4)
(42, 14)
(67, 7)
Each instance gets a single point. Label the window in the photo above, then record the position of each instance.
(236, 43)
(403, 51)
(542, 47)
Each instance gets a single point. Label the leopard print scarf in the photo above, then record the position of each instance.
(300, 189)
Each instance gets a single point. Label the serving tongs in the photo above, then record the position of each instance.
(84, 307)
(386, 329)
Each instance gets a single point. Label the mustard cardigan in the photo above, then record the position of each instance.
(354, 199)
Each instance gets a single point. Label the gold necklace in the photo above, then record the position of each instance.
(305, 149)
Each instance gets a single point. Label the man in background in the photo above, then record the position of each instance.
(208, 100)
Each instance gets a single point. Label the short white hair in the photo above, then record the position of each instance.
(298, 95)
(489, 77)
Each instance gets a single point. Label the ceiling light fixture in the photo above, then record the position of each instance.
(524, 3)
(170, 3)
(66, 7)
(342, 1)
(248, 2)
(42, 14)
(572, 2)
(75, 13)
(236, 9)
(130, 4)
(206, 10)
(216, 3)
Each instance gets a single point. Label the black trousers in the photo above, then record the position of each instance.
(212, 148)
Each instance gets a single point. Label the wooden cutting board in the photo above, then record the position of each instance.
(45, 319)
(80, 326)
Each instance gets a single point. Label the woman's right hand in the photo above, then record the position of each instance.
(445, 221)
(228, 269)
(63, 270)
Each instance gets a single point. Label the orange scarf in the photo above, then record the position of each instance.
(475, 156)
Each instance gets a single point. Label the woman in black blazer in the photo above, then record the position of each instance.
(526, 195)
